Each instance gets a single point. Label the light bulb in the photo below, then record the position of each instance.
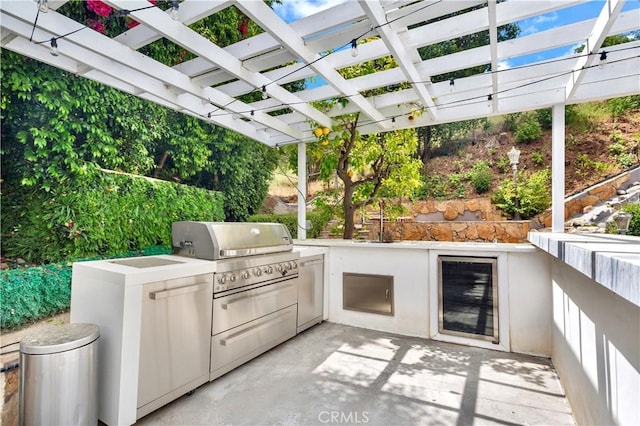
(54, 47)
(603, 60)
(452, 85)
(43, 6)
(173, 12)
(265, 95)
(354, 47)
(490, 101)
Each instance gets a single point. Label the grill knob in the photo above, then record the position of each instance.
(232, 278)
(294, 265)
(222, 279)
(280, 267)
(245, 275)
(288, 266)
(257, 272)
(269, 270)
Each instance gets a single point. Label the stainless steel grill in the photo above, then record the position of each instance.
(255, 286)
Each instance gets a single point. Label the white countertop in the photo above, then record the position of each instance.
(111, 271)
(610, 260)
(416, 245)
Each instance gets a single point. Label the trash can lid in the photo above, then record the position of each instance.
(59, 338)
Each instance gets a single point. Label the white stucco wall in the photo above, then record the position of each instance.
(596, 348)
(524, 288)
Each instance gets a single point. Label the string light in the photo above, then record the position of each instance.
(43, 6)
(173, 12)
(265, 95)
(452, 85)
(603, 60)
(54, 47)
(354, 47)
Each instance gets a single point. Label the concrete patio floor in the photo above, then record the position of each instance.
(335, 374)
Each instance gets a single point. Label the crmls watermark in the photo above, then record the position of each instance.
(341, 417)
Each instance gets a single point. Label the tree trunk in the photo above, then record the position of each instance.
(161, 163)
(349, 210)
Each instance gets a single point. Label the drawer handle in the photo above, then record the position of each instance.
(163, 294)
(250, 331)
(263, 295)
(386, 294)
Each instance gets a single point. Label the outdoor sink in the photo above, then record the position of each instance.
(145, 262)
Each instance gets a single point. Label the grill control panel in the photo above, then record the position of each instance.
(224, 281)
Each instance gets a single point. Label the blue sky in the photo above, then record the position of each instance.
(292, 10)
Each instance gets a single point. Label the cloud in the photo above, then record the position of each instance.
(292, 10)
(549, 17)
(503, 65)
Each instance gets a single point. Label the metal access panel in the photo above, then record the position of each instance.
(367, 293)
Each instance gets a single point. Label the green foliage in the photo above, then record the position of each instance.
(622, 151)
(456, 182)
(433, 186)
(31, 294)
(481, 176)
(619, 106)
(503, 164)
(101, 216)
(634, 210)
(545, 118)
(58, 127)
(537, 158)
(588, 167)
(534, 194)
(528, 130)
(318, 219)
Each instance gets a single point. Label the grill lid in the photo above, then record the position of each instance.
(224, 240)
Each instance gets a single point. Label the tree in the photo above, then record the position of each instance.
(367, 166)
(57, 126)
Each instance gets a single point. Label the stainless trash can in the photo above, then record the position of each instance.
(59, 376)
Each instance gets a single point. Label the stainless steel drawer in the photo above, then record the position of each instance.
(237, 346)
(240, 308)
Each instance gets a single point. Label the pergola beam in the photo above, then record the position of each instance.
(400, 54)
(194, 42)
(267, 19)
(601, 28)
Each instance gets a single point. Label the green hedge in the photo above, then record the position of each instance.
(104, 215)
(318, 222)
(31, 294)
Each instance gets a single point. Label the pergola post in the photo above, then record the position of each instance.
(302, 191)
(557, 168)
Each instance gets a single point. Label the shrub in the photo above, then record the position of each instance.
(634, 210)
(534, 195)
(537, 158)
(528, 131)
(619, 106)
(481, 177)
(31, 294)
(318, 221)
(101, 216)
(545, 118)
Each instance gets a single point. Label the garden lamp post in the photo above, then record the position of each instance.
(622, 220)
(514, 156)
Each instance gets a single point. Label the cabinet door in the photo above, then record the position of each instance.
(175, 336)
(367, 293)
(310, 289)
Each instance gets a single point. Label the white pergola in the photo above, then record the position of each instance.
(209, 85)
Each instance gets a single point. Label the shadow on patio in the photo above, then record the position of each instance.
(334, 374)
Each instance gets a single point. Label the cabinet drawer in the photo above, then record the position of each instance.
(240, 308)
(238, 345)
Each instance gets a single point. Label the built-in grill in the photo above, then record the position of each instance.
(255, 286)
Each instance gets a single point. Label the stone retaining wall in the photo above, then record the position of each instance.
(577, 203)
(489, 231)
